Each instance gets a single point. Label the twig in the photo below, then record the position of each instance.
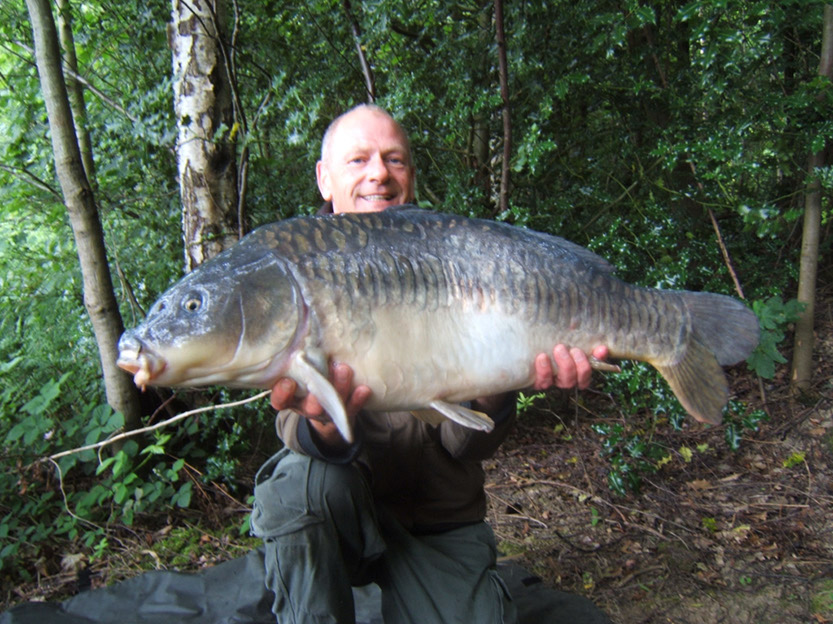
(21, 173)
(726, 258)
(158, 425)
(503, 77)
(92, 88)
(64, 496)
(524, 518)
(357, 38)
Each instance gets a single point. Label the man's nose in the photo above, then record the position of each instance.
(378, 169)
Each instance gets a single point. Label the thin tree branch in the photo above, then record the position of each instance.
(159, 425)
(30, 178)
(804, 339)
(727, 259)
(93, 89)
(357, 37)
(504, 96)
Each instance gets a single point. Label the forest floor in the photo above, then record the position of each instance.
(713, 535)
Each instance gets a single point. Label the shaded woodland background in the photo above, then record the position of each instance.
(683, 141)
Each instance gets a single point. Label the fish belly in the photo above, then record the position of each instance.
(412, 358)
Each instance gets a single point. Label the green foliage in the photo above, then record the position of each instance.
(738, 418)
(796, 459)
(774, 315)
(631, 452)
(630, 445)
(709, 524)
(40, 504)
(633, 126)
(526, 401)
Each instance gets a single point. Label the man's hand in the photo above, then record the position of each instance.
(573, 368)
(341, 376)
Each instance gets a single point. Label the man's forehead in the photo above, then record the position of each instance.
(364, 128)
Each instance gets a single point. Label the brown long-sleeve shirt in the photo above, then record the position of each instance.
(429, 476)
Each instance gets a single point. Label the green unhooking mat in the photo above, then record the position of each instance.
(233, 593)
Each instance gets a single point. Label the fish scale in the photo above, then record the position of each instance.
(429, 309)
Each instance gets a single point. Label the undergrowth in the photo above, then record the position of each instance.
(74, 503)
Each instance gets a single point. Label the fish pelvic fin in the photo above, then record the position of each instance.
(321, 388)
(430, 416)
(461, 415)
(698, 381)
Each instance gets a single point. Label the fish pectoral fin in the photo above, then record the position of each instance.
(321, 388)
(600, 365)
(463, 415)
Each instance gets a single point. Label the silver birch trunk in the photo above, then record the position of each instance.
(205, 152)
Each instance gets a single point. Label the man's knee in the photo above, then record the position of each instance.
(293, 491)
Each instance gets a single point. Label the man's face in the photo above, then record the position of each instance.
(367, 165)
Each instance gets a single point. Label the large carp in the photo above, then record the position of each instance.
(429, 310)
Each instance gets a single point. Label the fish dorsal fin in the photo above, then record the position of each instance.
(320, 387)
(463, 415)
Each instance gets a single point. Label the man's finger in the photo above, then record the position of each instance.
(311, 408)
(583, 369)
(283, 394)
(357, 400)
(342, 379)
(566, 374)
(543, 372)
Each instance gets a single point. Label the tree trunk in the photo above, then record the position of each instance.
(802, 364)
(99, 298)
(205, 118)
(76, 93)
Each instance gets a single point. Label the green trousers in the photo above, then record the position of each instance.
(323, 534)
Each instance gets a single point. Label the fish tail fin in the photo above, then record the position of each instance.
(723, 332)
(726, 326)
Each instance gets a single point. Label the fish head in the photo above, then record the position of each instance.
(232, 321)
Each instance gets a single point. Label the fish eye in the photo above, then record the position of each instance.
(192, 303)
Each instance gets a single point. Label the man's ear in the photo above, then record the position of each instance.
(322, 176)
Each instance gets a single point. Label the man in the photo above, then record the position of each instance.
(404, 505)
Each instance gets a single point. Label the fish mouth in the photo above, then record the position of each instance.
(144, 366)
